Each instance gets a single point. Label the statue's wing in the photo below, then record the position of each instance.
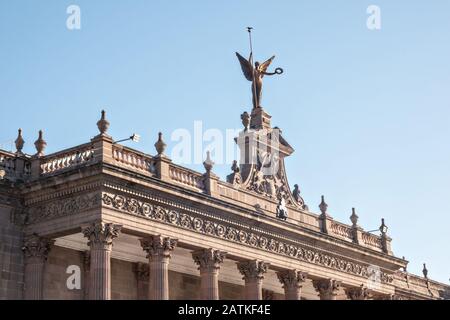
(246, 66)
(263, 66)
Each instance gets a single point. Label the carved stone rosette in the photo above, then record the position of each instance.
(158, 250)
(292, 281)
(209, 261)
(253, 272)
(201, 224)
(36, 251)
(327, 288)
(359, 293)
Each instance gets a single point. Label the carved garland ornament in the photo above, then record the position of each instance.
(228, 232)
(63, 207)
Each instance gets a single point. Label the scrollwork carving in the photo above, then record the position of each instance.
(232, 233)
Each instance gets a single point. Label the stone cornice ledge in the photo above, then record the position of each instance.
(213, 225)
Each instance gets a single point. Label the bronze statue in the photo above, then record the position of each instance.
(255, 75)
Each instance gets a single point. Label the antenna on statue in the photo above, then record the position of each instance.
(249, 30)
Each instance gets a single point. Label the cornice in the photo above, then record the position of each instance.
(220, 227)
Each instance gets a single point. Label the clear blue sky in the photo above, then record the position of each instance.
(367, 111)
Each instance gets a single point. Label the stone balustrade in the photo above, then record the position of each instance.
(371, 241)
(14, 166)
(187, 178)
(342, 231)
(67, 159)
(132, 159)
(7, 162)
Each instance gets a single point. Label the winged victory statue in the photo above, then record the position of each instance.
(255, 74)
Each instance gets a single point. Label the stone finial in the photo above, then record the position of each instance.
(19, 142)
(235, 167)
(103, 124)
(160, 145)
(425, 271)
(383, 228)
(245, 117)
(354, 218)
(296, 193)
(235, 178)
(323, 206)
(405, 267)
(40, 144)
(208, 163)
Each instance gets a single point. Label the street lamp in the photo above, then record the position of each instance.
(134, 137)
(383, 228)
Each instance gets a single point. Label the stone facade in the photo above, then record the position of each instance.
(141, 227)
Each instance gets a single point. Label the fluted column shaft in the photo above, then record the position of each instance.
(100, 237)
(142, 275)
(253, 272)
(292, 281)
(159, 251)
(36, 251)
(209, 261)
(87, 268)
(327, 288)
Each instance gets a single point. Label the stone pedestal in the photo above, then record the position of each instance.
(158, 250)
(36, 251)
(253, 272)
(327, 288)
(292, 281)
(209, 261)
(100, 237)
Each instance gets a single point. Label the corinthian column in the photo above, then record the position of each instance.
(292, 281)
(327, 288)
(158, 250)
(36, 251)
(359, 293)
(253, 272)
(101, 236)
(209, 261)
(142, 275)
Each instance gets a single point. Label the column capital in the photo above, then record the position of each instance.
(208, 259)
(253, 270)
(37, 247)
(101, 234)
(327, 288)
(292, 278)
(141, 270)
(358, 293)
(158, 246)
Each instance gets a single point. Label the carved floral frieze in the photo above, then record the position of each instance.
(236, 234)
(63, 207)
